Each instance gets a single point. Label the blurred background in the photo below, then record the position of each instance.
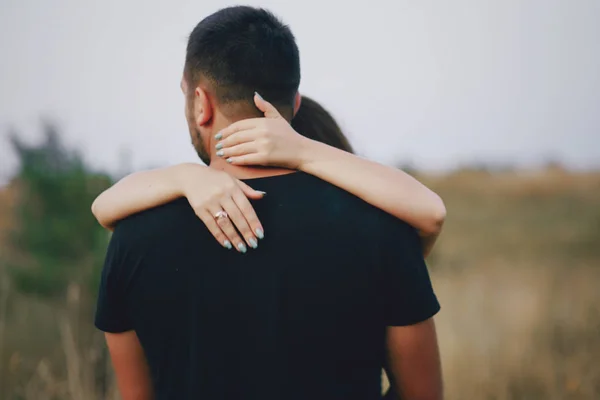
(495, 105)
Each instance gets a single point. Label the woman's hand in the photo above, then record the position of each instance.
(269, 141)
(210, 192)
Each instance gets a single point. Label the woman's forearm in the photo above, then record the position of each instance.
(387, 188)
(137, 192)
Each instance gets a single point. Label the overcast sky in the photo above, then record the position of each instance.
(434, 83)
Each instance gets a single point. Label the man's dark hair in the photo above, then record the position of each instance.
(240, 50)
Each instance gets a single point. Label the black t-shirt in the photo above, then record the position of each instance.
(301, 317)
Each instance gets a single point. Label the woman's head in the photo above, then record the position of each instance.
(315, 122)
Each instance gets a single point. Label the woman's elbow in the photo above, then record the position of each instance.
(94, 208)
(437, 218)
(96, 211)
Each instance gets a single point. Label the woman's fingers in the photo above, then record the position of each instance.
(237, 150)
(248, 159)
(241, 125)
(248, 211)
(211, 223)
(249, 192)
(267, 108)
(239, 137)
(225, 225)
(239, 220)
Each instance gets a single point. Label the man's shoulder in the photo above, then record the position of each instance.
(349, 210)
(321, 190)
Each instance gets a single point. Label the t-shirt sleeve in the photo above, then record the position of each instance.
(409, 296)
(111, 309)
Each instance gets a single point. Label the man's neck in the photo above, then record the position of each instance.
(238, 171)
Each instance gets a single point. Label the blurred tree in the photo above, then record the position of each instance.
(57, 248)
(56, 238)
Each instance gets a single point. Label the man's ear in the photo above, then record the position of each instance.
(203, 108)
(297, 102)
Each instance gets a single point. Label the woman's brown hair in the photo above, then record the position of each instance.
(315, 122)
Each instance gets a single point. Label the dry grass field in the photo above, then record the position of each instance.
(518, 274)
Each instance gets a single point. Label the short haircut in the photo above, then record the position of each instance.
(241, 50)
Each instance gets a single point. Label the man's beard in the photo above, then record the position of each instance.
(198, 144)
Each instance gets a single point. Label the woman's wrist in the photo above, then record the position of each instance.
(313, 152)
(308, 152)
(181, 175)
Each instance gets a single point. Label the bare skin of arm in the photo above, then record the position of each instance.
(136, 192)
(413, 362)
(389, 189)
(131, 368)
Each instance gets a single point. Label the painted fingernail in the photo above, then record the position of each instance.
(253, 243)
(259, 232)
(242, 247)
(229, 160)
(259, 96)
(261, 192)
(218, 136)
(227, 244)
(220, 153)
(219, 146)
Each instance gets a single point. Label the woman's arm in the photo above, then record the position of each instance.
(272, 141)
(137, 192)
(209, 192)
